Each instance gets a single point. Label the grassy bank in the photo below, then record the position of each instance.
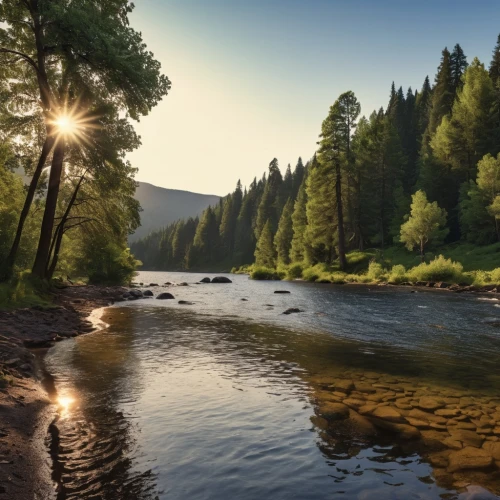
(23, 291)
(457, 263)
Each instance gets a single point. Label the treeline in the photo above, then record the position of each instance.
(67, 98)
(438, 145)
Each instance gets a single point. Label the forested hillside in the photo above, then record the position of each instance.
(161, 206)
(422, 171)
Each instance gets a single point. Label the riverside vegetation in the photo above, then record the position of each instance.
(67, 100)
(423, 174)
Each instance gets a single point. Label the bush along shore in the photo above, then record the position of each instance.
(438, 273)
(26, 394)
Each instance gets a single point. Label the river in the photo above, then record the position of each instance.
(228, 398)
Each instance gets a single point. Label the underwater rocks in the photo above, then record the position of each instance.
(221, 279)
(165, 296)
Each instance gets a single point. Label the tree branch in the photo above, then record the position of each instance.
(27, 58)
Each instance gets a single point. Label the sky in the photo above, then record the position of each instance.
(254, 79)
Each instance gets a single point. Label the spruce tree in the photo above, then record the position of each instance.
(299, 225)
(269, 204)
(422, 108)
(495, 63)
(458, 63)
(284, 234)
(265, 254)
(297, 178)
(442, 94)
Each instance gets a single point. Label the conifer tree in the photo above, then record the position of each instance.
(423, 105)
(299, 226)
(297, 178)
(442, 93)
(265, 254)
(268, 207)
(495, 63)
(458, 63)
(284, 235)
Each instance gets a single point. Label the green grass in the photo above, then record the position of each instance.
(23, 291)
(456, 263)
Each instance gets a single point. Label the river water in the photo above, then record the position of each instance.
(221, 398)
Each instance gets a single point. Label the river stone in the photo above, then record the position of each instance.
(430, 404)
(452, 443)
(405, 431)
(205, 280)
(362, 426)
(334, 411)
(469, 458)
(221, 279)
(366, 409)
(147, 293)
(344, 385)
(354, 403)
(419, 424)
(135, 293)
(292, 310)
(165, 296)
(387, 413)
(468, 438)
(493, 449)
(466, 425)
(425, 416)
(364, 387)
(447, 412)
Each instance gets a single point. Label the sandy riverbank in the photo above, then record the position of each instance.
(26, 406)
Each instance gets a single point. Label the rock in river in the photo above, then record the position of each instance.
(281, 291)
(205, 280)
(292, 310)
(469, 458)
(165, 296)
(221, 279)
(147, 293)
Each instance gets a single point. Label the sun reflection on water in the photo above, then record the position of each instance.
(65, 403)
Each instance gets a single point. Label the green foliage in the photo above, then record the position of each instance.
(294, 271)
(265, 273)
(23, 291)
(397, 274)
(440, 269)
(424, 224)
(265, 254)
(375, 271)
(284, 235)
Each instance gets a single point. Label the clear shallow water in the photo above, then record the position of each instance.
(212, 400)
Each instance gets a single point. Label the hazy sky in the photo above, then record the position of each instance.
(253, 79)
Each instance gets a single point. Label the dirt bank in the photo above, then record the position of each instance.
(26, 407)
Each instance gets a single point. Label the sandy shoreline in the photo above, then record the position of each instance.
(27, 396)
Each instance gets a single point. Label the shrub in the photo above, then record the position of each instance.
(398, 274)
(295, 271)
(375, 271)
(265, 273)
(495, 276)
(440, 269)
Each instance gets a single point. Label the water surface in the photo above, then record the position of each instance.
(214, 400)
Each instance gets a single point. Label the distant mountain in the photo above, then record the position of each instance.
(162, 206)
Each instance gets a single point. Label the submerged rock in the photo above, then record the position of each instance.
(153, 284)
(221, 279)
(137, 294)
(165, 296)
(292, 310)
(205, 280)
(469, 458)
(281, 291)
(185, 303)
(147, 293)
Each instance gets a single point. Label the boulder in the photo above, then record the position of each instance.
(430, 404)
(205, 280)
(165, 296)
(387, 413)
(221, 279)
(185, 303)
(183, 284)
(281, 291)
(153, 284)
(147, 293)
(135, 293)
(468, 438)
(493, 449)
(334, 411)
(344, 386)
(292, 310)
(469, 458)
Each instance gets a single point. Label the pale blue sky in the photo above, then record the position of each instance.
(253, 80)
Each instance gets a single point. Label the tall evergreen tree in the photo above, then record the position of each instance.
(458, 63)
(298, 251)
(265, 254)
(297, 178)
(268, 207)
(495, 63)
(284, 235)
(443, 93)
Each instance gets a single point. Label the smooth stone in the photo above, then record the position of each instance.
(205, 280)
(363, 387)
(221, 279)
(281, 291)
(354, 403)
(430, 404)
(429, 417)
(165, 296)
(334, 411)
(361, 425)
(466, 425)
(292, 310)
(366, 409)
(147, 293)
(419, 424)
(344, 385)
(446, 412)
(469, 458)
(468, 438)
(387, 413)
(492, 448)
(452, 443)
(404, 431)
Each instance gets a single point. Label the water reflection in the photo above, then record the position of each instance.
(176, 405)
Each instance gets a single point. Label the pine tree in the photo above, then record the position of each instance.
(299, 225)
(422, 108)
(458, 63)
(284, 235)
(335, 152)
(297, 178)
(268, 207)
(265, 254)
(495, 63)
(442, 93)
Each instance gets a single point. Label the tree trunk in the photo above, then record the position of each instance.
(57, 239)
(340, 219)
(8, 265)
(42, 254)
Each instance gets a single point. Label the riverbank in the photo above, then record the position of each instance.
(25, 405)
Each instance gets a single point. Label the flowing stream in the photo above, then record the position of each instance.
(218, 399)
